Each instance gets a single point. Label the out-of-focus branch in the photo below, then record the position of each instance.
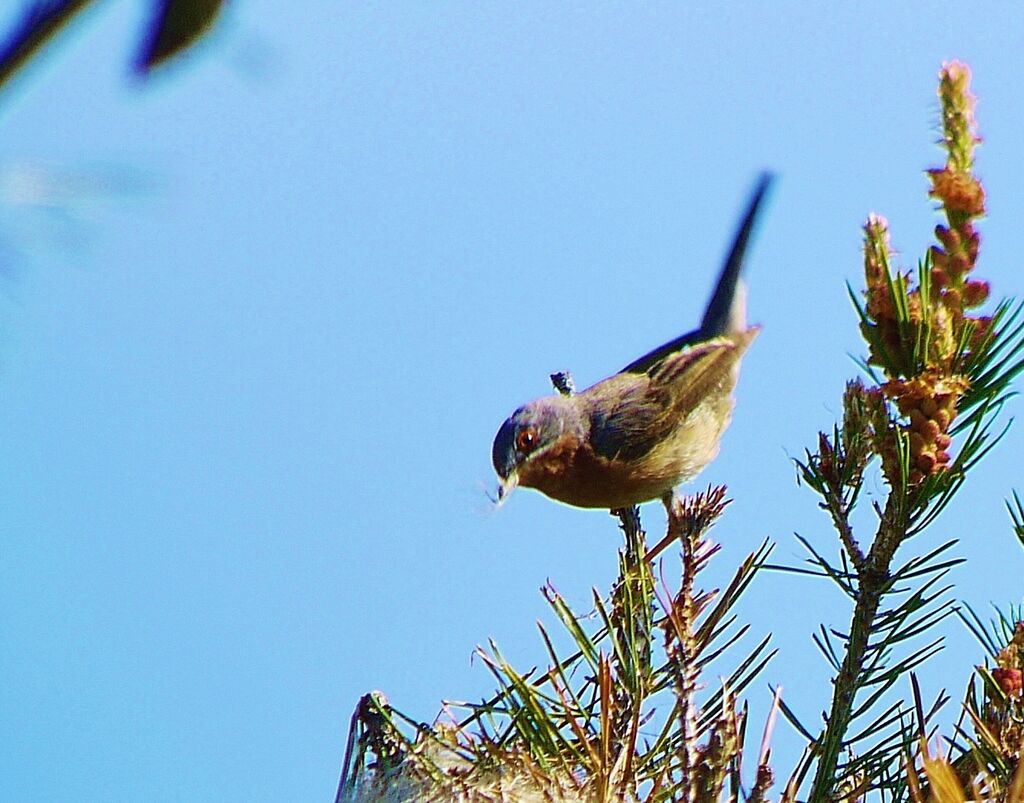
(39, 23)
(175, 26)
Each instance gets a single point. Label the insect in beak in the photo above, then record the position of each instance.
(506, 486)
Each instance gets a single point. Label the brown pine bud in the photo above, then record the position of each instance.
(973, 243)
(826, 461)
(959, 192)
(1010, 681)
(975, 293)
(959, 264)
(925, 462)
(949, 238)
(930, 430)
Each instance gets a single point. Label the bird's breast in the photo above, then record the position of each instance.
(571, 472)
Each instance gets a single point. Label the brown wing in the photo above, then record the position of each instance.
(702, 371)
(631, 413)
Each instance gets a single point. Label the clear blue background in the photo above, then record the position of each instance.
(261, 317)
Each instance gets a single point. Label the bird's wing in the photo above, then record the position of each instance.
(627, 416)
(702, 372)
(632, 413)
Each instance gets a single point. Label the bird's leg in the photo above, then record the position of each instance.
(671, 502)
(673, 505)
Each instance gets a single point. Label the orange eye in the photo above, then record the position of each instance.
(526, 439)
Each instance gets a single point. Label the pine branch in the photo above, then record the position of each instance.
(939, 372)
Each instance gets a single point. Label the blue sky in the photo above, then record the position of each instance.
(260, 319)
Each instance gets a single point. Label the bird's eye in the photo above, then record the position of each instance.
(527, 439)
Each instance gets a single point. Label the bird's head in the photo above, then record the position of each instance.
(528, 435)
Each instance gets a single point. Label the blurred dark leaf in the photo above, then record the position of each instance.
(38, 23)
(176, 25)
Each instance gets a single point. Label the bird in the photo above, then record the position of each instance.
(654, 425)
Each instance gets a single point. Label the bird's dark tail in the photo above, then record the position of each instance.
(720, 312)
(727, 302)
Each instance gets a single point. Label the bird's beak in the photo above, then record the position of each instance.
(506, 485)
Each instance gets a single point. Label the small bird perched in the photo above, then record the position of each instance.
(638, 434)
